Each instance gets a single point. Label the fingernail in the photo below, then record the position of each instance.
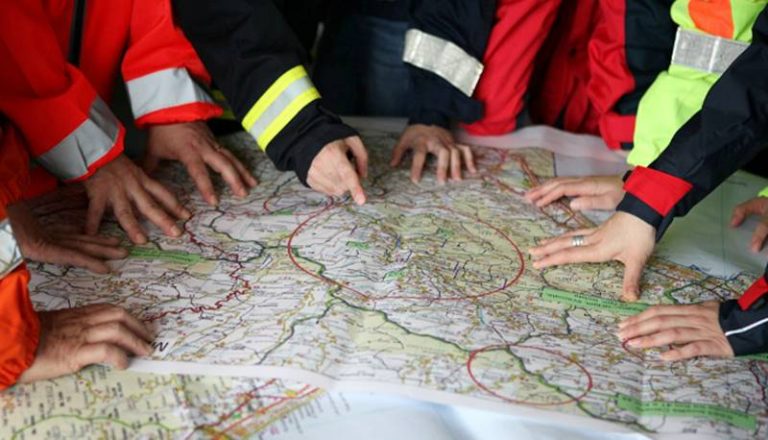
(186, 214)
(175, 231)
(140, 239)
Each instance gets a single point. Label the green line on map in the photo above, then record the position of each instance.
(169, 256)
(584, 301)
(682, 409)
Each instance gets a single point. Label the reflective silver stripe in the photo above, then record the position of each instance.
(746, 328)
(10, 255)
(164, 89)
(88, 143)
(706, 53)
(444, 59)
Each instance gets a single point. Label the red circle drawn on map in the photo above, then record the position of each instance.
(328, 202)
(368, 296)
(482, 386)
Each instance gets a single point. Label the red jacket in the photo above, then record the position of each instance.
(583, 66)
(19, 324)
(61, 109)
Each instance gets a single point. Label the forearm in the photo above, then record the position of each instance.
(260, 67)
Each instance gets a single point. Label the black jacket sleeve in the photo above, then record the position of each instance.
(247, 46)
(730, 129)
(746, 324)
(465, 24)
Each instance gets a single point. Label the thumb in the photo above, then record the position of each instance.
(633, 272)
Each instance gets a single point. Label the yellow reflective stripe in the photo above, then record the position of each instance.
(287, 116)
(282, 101)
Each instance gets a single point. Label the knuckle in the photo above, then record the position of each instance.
(695, 350)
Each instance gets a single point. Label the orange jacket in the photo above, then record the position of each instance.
(19, 324)
(60, 109)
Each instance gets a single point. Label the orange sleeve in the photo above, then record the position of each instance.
(19, 323)
(66, 127)
(165, 78)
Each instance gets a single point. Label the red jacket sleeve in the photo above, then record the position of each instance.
(67, 128)
(14, 166)
(162, 71)
(18, 321)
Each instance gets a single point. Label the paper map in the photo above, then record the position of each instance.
(426, 290)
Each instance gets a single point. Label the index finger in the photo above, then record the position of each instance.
(151, 210)
(351, 182)
(361, 155)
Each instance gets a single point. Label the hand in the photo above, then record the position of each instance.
(122, 185)
(595, 192)
(194, 145)
(756, 206)
(693, 329)
(623, 237)
(60, 246)
(423, 139)
(72, 339)
(332, 173)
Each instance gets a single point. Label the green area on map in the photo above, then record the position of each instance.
(358, 245)
(590, 302)
(682, 409)
(169, 256)
(756, 357)
(394, 275)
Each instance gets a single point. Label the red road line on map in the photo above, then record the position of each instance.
(220, 303)
(632, 353)
(367, 296)
(480, 385)
(301, 394)
(757, 379)
(250, 395)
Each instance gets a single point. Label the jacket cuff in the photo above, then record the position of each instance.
(746, 330)
(756, 296)
(199, 111)
(303, 139)
(659, 190)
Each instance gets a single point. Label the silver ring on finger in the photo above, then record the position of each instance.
(578, 241)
